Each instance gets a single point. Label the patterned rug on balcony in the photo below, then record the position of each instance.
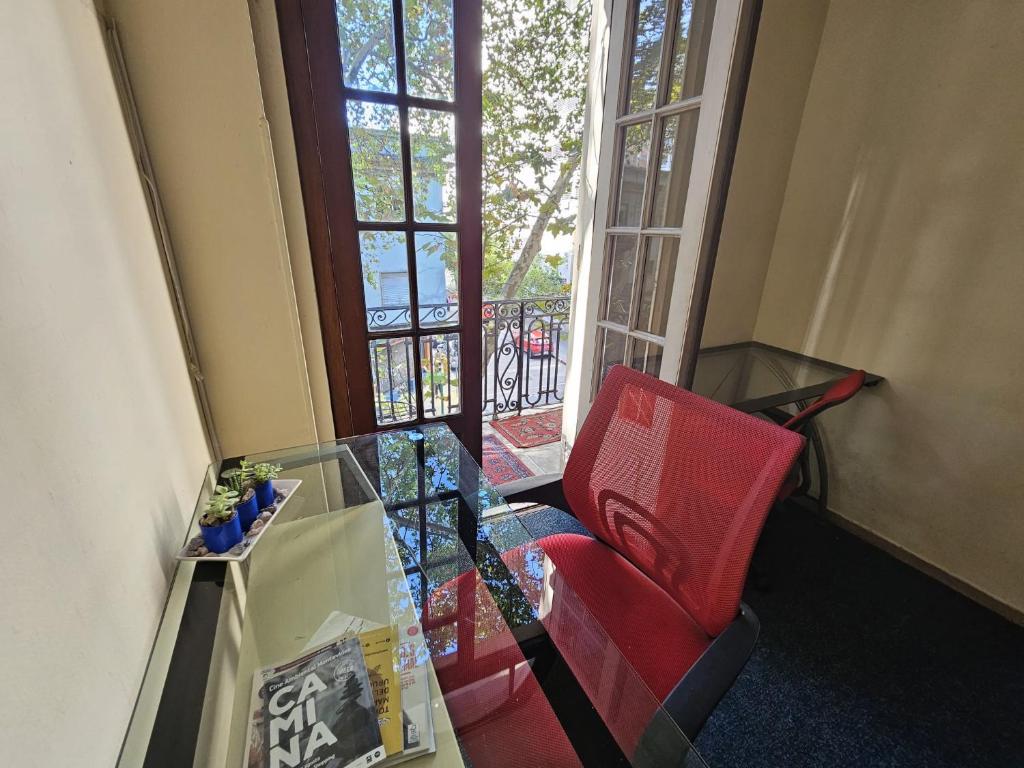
(532, 430)
(500, 465)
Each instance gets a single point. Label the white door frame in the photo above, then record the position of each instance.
(609, 61)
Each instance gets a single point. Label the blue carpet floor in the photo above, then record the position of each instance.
(863, 661)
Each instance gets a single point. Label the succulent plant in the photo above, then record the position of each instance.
(239, 478)
(263, 472)
(221, 505)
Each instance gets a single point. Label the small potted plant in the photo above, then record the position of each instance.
(219, 524)
(240, 480)
(262, 475)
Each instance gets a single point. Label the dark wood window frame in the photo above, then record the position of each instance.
(316, 94)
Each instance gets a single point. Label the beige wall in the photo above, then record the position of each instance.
(898, 249)
(100, 440)
(194, 71)
(787, 46)
(275, 99)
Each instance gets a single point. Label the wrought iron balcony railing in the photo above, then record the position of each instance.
(524, 341)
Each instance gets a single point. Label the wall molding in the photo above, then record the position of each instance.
(955, 583)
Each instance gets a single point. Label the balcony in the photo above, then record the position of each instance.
(525, 346)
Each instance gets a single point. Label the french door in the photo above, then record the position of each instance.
(674, 73)
(386, 105)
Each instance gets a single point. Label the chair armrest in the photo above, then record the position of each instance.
(540, 489)
(706, 682)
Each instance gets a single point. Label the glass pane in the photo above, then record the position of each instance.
(429, 63)
(619, 290)
(437, 286)
(391, 362)
(636, 143)
(656, 284)
(612, 351)
(646, 357)
(374, 134)
(432, 140)
(366, 32)
(678, 134)
(385, 280)
(690, 49)
(439, 369)
(649, 28)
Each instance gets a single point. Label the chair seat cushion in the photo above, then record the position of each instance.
(655, 635)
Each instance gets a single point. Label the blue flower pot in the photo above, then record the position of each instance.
(264, 494)
(248, 511)
(221, 538)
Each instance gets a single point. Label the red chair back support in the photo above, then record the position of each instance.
(840, 392)
(679, 485)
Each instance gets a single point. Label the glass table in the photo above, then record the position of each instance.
(753, 377)
(399, 528)
(758, 378)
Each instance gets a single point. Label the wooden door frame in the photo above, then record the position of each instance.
(721, 177)
(329, 204)
(703, 232)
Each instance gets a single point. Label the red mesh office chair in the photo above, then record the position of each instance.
(675, 489)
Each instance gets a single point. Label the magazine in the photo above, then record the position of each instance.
(413, 656)
(380, 655)
(315, 712)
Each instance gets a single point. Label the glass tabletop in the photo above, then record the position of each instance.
(752, 376)
(403, 530)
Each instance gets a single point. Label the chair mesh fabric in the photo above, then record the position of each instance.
(679, 485)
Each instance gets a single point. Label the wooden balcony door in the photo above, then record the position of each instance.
(386, 104)
(660, 145)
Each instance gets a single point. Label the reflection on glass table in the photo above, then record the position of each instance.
(401, 528)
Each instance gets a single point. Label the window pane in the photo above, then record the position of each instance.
(439, 369)
(385, 280)
(636, 142)
(376, 161)
(649, 28)
(429, 63)
(612, 351)
(690, 49)
(619, 290)
(678, 134)
(391, 362)
(366, 33)
(646, 357)
(437, 287)
(656, 284)
(432, 140)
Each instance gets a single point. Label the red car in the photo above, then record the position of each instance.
(537, 343)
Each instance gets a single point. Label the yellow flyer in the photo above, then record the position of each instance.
(380, 651)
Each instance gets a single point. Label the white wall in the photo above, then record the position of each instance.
(241, 245)
(784, 56)
(898, 249)
(100, 440)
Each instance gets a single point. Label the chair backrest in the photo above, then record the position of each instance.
(679, 485)
(840, 392)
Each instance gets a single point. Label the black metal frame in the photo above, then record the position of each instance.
(507, 326)
(508, 382)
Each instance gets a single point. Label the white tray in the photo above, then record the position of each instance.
(284, 487)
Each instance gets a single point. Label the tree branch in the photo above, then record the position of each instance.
(532, 245)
